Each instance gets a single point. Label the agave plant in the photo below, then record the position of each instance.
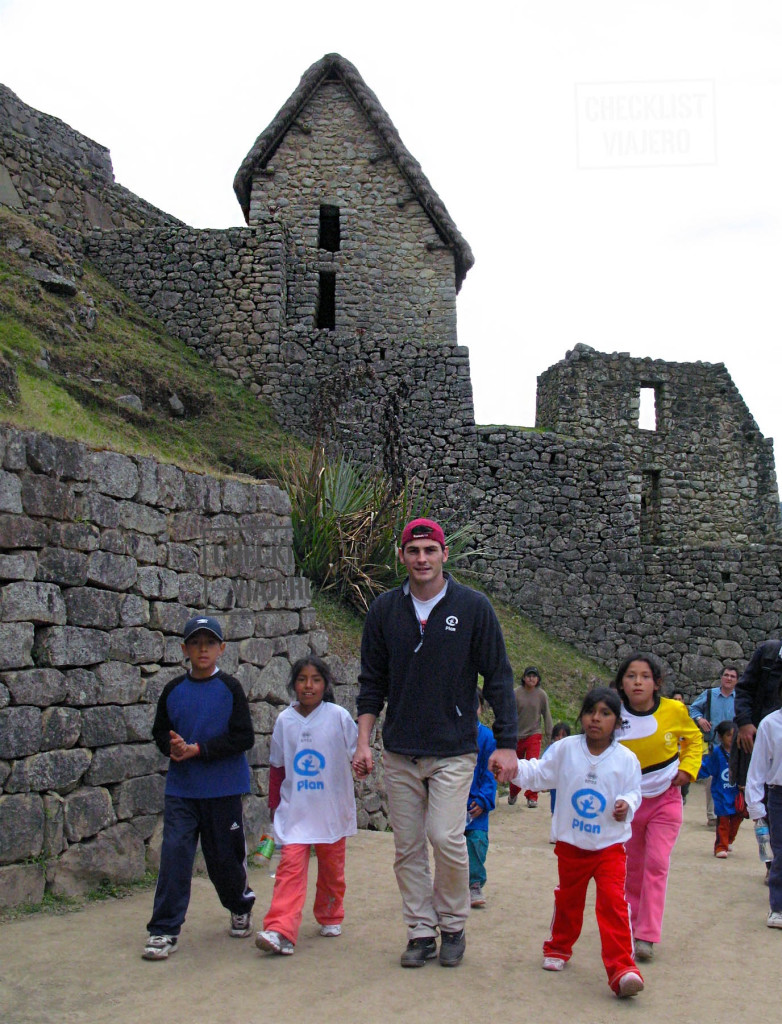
(346, 520)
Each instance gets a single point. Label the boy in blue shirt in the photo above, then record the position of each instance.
(482, 798)
(716, 765)
(203, 724)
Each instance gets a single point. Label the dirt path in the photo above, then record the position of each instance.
(86, 967)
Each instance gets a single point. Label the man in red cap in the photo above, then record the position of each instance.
(424, 645)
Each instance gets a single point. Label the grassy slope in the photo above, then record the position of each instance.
(224, 430)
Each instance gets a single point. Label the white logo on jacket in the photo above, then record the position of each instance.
(451, 623)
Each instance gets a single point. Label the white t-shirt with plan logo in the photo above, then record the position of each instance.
(587, 788)
(317, 804)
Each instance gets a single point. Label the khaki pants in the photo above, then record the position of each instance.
(427, 800)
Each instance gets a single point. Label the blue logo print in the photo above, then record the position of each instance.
(309, 762)
(588, 803)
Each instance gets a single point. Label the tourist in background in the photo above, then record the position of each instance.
(531, 708)
(710, 709)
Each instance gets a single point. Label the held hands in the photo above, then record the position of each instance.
(621, 807)
(680, 778)
(180, 750)
(362, 761)
(503, 764)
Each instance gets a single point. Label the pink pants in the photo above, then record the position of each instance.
(656, 827)
(290, 888)
(527, 748)
(576, 868)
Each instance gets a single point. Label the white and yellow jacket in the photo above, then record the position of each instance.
(664, 740)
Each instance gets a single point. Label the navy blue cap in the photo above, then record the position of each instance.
(205, 622)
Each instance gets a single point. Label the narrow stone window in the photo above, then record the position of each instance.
(650, 507)
(648, 407)
(327, 291)
(328, 236)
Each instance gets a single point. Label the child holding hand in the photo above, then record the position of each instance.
(598, 785)
(312, 801)
(716, 766)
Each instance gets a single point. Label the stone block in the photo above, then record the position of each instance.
(264, 716)
(138, 721)
(90, 606)
(116, 572)
(22, 883)
(134, 611)
(19, 531)
(59, 646)
(259, 755)
(189, 525)
(86, 812)
(272, 682)
(298, 647)
(144, 825)
(135, 645)
(113, 474)
(115, 764)
(116, 854)
(169, 616)
(142, 795)
(156, 582)
(192, 590)
(62, 566)
(19, 566)
(140, 547)
(78, 536)
(43, 496)
(41, 603)
(5, 696)
(16, 644)
(20, 732)
(182, 558)
(55, 455)
(100, 509)
(319, 642)
(279, 623)
(60, 728)
(21, 827)
(37, 686)
(10, 493)
(141, 518)
(256, 651)
(171, 487)
(155, 684)
(60, 770)
(120, 683)
(82, 687)
(238, 624)
(102, 727)
(53, 830)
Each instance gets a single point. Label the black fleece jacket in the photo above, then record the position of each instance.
(429, 682)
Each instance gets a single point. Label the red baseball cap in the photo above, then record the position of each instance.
(425, 528)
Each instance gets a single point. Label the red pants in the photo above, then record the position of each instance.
(290, 888)
(527, 748)
(576, 868)
(727, 830)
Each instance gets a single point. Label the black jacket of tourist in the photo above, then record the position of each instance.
(429, 679)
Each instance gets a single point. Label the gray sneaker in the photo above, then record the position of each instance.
(273, 942)
(419, 951)
(452, 947)
(644, 950)
(241, 925)
(477, 899)
(158, 947)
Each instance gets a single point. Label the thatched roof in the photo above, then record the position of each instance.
(332, 68)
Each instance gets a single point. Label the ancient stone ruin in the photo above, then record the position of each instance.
(609, 535)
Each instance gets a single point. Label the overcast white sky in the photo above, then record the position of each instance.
(616, 165)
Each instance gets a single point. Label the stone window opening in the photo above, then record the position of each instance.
(649, 407)
(650, 506)
(326, 317)
(328, 234)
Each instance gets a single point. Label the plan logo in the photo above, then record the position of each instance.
(309, 763)
(588, 805)
(451, 623)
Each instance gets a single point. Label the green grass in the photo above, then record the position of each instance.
(70, 377)
(57, 904)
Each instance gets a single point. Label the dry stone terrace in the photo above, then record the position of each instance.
(103, 557)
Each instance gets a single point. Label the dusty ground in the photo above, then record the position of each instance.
(86, 967)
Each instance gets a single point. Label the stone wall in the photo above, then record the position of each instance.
(705, 474)
(102, 559)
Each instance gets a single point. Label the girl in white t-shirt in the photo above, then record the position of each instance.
(598, 791)
(312, 804)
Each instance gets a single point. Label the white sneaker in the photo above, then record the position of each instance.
(273, 942)
(630, 984)
(553, 963)
(159, 946)
(774, 919)
(721, 854)
(330, 930)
